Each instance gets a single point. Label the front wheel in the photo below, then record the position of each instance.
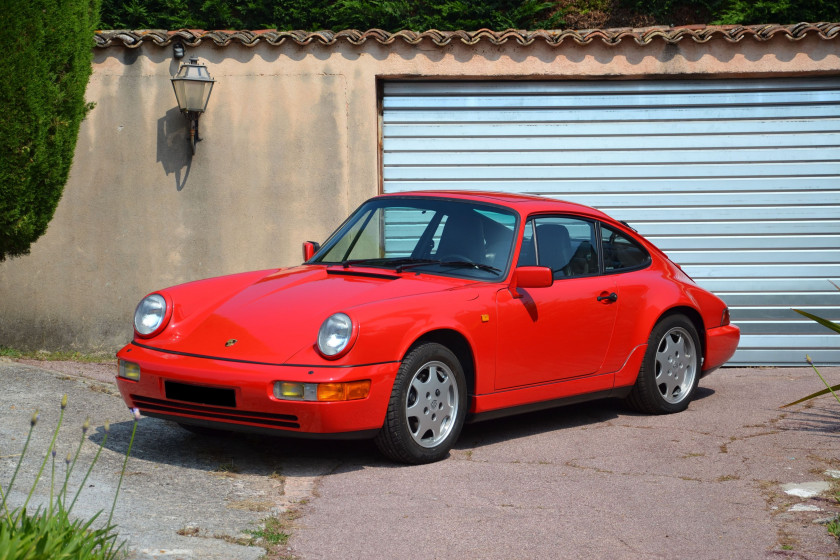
(427, 406)
(671, 368)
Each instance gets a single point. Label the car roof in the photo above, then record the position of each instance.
(525, 204)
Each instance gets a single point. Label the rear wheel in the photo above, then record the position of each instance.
(670, 371)
(427, 406)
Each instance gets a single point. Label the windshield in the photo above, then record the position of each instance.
(433, 235)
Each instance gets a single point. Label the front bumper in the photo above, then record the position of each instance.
(186, 388)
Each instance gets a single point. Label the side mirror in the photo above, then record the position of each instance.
(309, 249)
(530, 277)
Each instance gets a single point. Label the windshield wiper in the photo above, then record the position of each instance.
(384, 261)
(470, 264)
(458, 264)
(406, 263)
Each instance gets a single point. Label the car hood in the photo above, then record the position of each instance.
(271, 319)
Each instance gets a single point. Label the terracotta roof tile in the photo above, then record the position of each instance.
(642, 36)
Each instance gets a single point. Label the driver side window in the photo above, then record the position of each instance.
(566, 245)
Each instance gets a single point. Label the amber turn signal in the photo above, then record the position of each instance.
(351, 391)
(324, 392)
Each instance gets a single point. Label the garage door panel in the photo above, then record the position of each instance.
(580, 156)
(734, 243)
(609, 101)
(611, 171)
(757, 256)
(785, 357)
(738, 132)
(790, 328)
(778, 270)
(614, 114)
(565, 188)
(683, 214)
(758, 228)
(777, 202)
(726, 286)
(827, 299)
(782, 314)
(782, 341)
(738, 180)
(692, 87)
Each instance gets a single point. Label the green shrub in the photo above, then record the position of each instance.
(49, 533)
(834, 525)
(45, 65)
(448, 15)
(313, 15)
(747, 12)
(828, 388)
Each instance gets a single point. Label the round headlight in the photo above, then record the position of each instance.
(150, 314)
(335, 335)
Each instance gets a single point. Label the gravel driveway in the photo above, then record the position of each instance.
(732, 477)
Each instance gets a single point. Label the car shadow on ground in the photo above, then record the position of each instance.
(165, 442)
(550, 420)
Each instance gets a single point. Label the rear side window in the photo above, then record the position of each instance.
(620, 252)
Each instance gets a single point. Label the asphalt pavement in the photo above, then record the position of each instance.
(734, 476)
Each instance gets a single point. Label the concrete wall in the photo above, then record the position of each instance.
(290, 146)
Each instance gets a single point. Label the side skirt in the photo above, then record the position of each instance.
(620, 392)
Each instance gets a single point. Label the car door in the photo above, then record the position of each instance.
(563, 331)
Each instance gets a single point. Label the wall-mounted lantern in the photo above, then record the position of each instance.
(192, 85)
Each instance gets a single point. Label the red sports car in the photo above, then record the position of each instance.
(425, 310)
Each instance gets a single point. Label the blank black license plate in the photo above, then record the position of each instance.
(200, 394)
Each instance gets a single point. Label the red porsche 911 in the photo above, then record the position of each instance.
(425, 310)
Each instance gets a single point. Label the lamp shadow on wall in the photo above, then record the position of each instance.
(173, 150)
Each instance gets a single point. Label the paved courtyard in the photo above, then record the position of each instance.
(734, 476)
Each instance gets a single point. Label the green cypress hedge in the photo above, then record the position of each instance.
(46, 50)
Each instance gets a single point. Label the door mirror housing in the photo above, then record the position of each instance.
(530, 277)
(309, 249)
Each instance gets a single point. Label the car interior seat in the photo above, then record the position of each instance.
(554, 248)
(462, 238)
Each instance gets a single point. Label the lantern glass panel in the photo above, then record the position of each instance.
(192, 85)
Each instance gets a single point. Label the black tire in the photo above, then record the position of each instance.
(670, 370)
(427, 407)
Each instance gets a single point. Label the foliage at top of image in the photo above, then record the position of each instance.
(451, 15)
(45, 66)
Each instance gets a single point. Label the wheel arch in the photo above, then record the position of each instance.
(646, 395)
(696, 319)
(459, 345)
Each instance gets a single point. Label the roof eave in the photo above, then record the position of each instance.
(640, 36)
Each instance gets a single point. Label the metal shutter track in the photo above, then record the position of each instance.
(737, 180)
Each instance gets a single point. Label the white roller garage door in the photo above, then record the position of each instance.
(737, 180)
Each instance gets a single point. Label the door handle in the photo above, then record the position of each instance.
(612, 297)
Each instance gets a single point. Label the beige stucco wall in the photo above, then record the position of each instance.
(290, 146)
